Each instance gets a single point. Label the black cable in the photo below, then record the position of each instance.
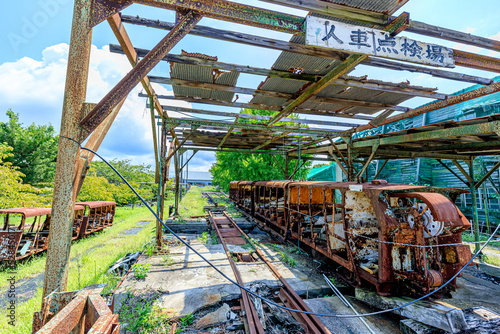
(268, 300)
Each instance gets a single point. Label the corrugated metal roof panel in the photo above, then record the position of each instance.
(206, 75)
(379, 6)
(308, 64)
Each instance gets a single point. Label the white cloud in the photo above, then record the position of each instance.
(35, 90)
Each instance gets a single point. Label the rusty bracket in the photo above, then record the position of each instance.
(102, 9)
(86, 109)
(398, 24)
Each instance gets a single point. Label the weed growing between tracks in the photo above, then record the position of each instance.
(192, 203)
(89, 260)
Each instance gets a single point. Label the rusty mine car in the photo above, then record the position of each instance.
(403, 239)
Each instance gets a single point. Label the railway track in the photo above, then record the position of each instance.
(229, 233)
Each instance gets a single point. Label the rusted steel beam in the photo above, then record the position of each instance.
(380, 169)
(258, 117)
(59, 244)
(476, 61)
(237, 118)
(177, 147)
(374, 150)
(309, 144)
(67, 318)
(260, 92)
(251, 126)
(235, 12)
(453, 35)
(398, 24)
(191, 157)
(262, 107)
(460, 168)
(103, 9)
(273, 139)
(336, 10)
(452, 172)
(398, 66)
(339, 163)
(127, 48)
(340, 69)
(402, 88)
(93, 143)
(487, 175)
(381, 19)
(493, 88)
(123, 88)
(350, 62)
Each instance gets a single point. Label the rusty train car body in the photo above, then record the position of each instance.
(388, 235)
(25, 231)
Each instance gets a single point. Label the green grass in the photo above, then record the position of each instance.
(143, 315)
(491, 252)
(210, 239)
(89, 260)
(192, 203)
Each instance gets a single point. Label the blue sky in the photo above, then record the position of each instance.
(35, 39)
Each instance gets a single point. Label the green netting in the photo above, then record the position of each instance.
(323, 173)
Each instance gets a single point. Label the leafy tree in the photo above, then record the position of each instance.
(95, 188)
(231, 166)
(34, 149)
(14, 192)
(103, 184)
(135, 173)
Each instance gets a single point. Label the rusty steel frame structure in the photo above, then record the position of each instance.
(83, 311)
(81, 119)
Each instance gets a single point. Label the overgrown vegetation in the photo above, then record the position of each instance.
(89, 261)
(209, 239)
(142, 314)
(192, 203)
(140, 270)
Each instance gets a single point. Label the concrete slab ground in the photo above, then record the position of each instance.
(188, 284)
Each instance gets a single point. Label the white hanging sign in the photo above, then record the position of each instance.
(355, 39)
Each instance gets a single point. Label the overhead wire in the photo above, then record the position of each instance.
(264, 298)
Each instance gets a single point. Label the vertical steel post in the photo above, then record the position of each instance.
(59, 244)
(486, 213)
(473, 189)
(158, 174)
(287, 160)
(176, 165)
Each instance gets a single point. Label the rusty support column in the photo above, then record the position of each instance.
(59, 244)
(177, 170)
(155, 140)
(473, 190)
(287, 161)
(159, 172)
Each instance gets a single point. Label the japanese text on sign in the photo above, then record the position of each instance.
(351, 38)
